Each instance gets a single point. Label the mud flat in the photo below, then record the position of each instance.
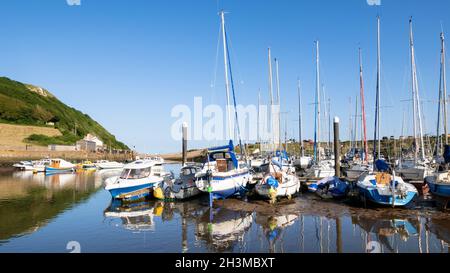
(310, 205)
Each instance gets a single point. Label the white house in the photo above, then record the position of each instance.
(93, 138)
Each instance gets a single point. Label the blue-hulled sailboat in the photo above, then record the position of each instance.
(439, 182)
(380, 187)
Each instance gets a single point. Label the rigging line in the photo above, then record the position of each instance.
(238, 72)
(234, 99)
(214, 83)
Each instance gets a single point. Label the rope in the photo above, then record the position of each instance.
(234, 100)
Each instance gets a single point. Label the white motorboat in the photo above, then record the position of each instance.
(105, 165)
(39, 166)
(136, 181)
(24, 166)
(157, 159)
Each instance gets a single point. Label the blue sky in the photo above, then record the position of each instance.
(128, 63)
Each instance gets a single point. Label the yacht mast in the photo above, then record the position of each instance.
(317, 133)
(377, 142)
(444, 86)
(302, 151)
(363, 110)
(355, 132)
(442, 108)
(271, 98)
(227, 84)
(278, 127)
(258, 136)
(416, 99)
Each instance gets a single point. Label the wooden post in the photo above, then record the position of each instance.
(337, 144)
(338, 235)
(184, 144)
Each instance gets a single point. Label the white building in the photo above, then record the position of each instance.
(86, 145)
(93, 138)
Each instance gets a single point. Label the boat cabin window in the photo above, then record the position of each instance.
(135, 173)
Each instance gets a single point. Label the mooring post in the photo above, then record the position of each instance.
(184, 144)
(337, 144)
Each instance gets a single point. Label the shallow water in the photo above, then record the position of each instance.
(41, 213)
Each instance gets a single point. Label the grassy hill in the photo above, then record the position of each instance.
(26, 104)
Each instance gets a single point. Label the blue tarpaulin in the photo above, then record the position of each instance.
(447, 154)
(272, 182)
(382, 165)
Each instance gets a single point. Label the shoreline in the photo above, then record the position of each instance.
(9, 157)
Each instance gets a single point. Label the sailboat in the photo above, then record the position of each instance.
(320, 168)
(380, 187)
(417, 168)
(439, 182)
(223, 175)
(280, 179)
(360, 165)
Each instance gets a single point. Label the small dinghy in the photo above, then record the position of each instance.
(279, 182)
(385, 189)
(179, 189)
(330, 187)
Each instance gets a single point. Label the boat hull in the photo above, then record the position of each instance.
(440, 189)
(58, 170)
(284, 189)
(169, 193)
(303, 162)
(373, 196)
(222, 187)
(416, 174)
(133, 192)
(106, 166)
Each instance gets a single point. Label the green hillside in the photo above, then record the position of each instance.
(30, 105)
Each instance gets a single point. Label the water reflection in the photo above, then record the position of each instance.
(222, 229)
(28, 201)
(388, 232)
(135, 216)
(441, 228)
(274, 226)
